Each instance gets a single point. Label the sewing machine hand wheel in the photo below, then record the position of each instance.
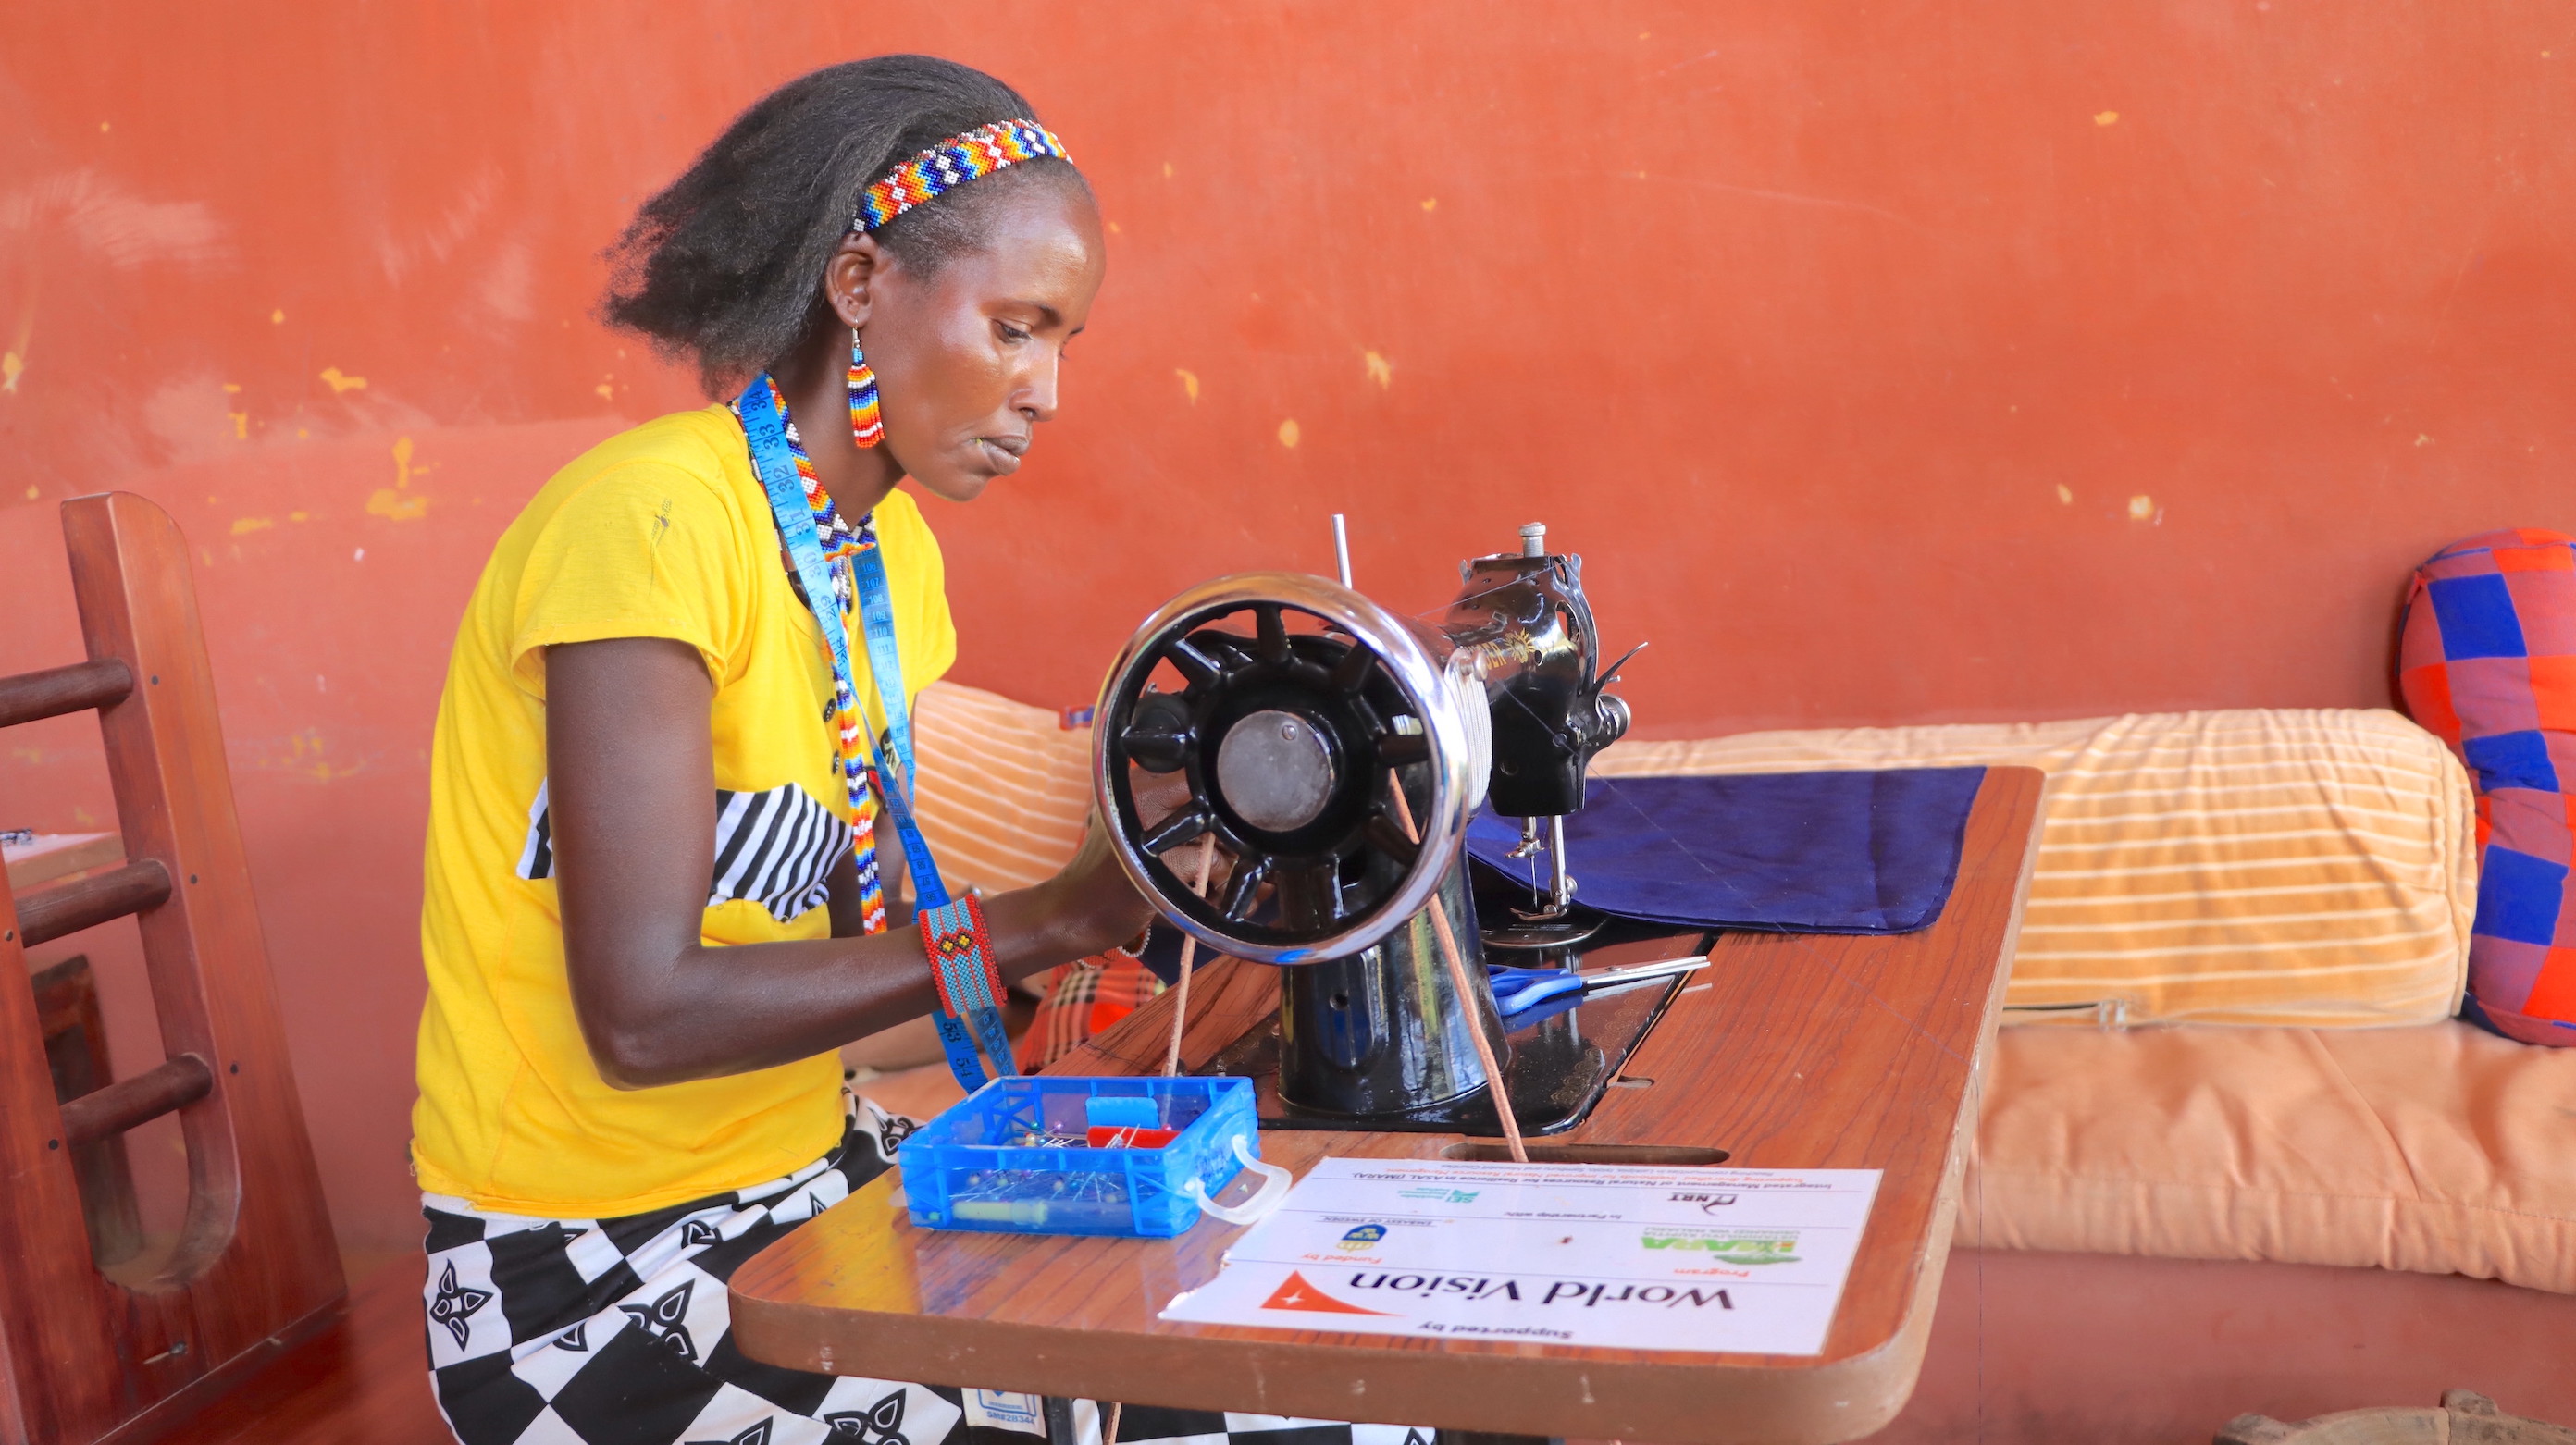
(1283, 701)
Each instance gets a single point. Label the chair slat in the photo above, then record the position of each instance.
(58, 690)
(50, 912)
(127, 1102)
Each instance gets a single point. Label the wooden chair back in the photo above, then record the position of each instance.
(84, 1357)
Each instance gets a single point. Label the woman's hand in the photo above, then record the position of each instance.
(1098, 903)
(1097, 892)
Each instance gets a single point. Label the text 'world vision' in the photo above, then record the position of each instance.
(1474, 1288)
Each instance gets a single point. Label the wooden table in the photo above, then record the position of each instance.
(1799, 1052)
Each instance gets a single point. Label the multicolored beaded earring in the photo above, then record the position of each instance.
(865, 427)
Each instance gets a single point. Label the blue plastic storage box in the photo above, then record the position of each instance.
(982, 1164)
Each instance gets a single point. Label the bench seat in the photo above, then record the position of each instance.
(2435, 1148)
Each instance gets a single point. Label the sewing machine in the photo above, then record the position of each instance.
(1328, 756)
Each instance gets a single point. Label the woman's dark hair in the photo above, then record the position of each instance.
(724, 265)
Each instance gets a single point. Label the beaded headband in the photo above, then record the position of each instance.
(952, 163)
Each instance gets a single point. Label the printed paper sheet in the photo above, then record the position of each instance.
(1732, 1260)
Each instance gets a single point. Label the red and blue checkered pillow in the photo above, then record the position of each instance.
(2486, 659)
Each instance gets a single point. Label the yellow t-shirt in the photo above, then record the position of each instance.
(663, 531)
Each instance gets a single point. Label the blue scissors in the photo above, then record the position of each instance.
(1517, 990)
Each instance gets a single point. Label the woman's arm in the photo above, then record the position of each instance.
(631, 787)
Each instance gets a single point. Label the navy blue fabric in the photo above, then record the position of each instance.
(1846, 852)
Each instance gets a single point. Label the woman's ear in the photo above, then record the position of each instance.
(851, 277)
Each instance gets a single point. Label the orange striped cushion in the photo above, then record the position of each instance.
(1003, 788)
(2272, 866)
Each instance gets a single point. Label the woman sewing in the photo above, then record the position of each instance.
(674, 739)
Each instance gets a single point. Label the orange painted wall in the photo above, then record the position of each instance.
(1888, 362)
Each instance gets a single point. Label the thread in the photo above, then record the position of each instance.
(1189, 955)
(1458, 980)
(1466, 688)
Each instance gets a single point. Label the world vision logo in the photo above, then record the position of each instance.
(1362, 1237)
(1294, 1293)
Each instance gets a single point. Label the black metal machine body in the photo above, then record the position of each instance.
(1268, 724)
(1550, 713)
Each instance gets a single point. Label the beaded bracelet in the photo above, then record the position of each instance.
(970, 983)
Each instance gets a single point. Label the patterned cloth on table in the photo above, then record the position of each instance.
(619, 1332)
(2487, 662)
(1084, 998)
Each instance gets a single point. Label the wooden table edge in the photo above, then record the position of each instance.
(1671, 1399)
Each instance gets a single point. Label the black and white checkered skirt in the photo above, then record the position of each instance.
(618, 1332)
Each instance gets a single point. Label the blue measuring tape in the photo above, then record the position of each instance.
(766, 429)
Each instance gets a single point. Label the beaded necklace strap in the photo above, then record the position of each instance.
(841, 542)
(840, 539)
(952, 163)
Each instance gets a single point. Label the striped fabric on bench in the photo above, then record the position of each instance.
(2274, 866)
